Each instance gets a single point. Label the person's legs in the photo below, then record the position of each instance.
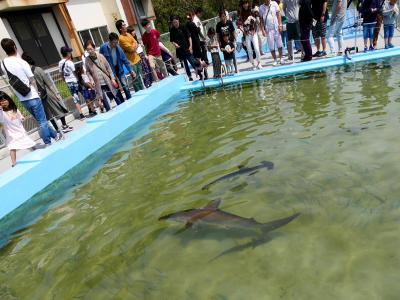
(377, 29)
(54, 123)
(119, 99)
(365, 36)
(305, 41)
(371, 35)
(216, 60)
(161, 66)
(138, 80)
(36, 109)
(271, 44)
(278, 43)
(390, 35)
(13, 155)
(104, 97)
(249, 49)
(254, 39)
(152, 62)
(125, 87)
(73, 88)
(187, 69)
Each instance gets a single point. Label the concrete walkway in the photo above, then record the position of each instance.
(243, 66)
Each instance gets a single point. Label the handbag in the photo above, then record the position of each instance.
(17, 83)
(116, 86)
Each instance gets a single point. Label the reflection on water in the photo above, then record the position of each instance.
(332, 137)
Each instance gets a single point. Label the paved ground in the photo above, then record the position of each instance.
(243, 66)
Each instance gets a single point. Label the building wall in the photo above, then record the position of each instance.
(87, 14)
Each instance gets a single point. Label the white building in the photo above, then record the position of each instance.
(42, 27)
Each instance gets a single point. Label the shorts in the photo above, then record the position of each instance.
(293, 31)
(73, 89)
(154, 61)
(89, 95)
(319, 30)
(368, 30)
(274, 39)
(388, 31)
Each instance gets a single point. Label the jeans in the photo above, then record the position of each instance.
(368, 31)
(335, 29)
(73, 89)
(124, 84)
(249, 40)
(138, 80)
(35, 107)
(388, 31)
(185, 58)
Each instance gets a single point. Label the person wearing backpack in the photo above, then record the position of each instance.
(23, 83)
(67, 71)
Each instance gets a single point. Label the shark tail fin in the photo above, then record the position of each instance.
(213, 205)
(267, 227)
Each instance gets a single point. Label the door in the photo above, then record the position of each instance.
(34, 38)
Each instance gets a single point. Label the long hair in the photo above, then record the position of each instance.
(79, 72)
(11, 103)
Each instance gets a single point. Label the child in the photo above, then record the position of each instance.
(86, 88)
(369, 11)
(390, 13)
(200, 65)
(212, 46)
(228, 49)
(16, 136)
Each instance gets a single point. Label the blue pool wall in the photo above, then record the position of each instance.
(39, 169)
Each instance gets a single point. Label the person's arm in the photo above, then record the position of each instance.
(278, 16)
(323, 11)
(165, 49)
(233, 31)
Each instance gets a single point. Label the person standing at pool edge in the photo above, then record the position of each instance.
(150, 39)
(32, 102)
(117, 60)
(128, 43)
(226, 26)
(339, 8)
(67, 69)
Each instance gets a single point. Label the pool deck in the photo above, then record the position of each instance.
(36, 170)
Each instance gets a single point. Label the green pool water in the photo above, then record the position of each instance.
(333, 137)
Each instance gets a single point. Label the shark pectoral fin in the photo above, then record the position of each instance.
(240, 167)
(213, 205)
(252, 173)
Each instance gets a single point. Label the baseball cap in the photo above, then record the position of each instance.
(65, 50)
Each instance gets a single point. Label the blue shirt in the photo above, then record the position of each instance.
(121, 59)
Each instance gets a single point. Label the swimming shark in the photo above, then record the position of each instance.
(212, 215)
(242, 170)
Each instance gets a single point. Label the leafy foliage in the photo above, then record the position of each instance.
(164, 9)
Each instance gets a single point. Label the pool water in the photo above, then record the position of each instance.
(333, 139)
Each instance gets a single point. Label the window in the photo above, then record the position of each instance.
(139, 8)
(98, 35)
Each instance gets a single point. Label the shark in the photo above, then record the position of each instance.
(242, 170)
(212, 215)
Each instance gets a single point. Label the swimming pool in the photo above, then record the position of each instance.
(332, 137)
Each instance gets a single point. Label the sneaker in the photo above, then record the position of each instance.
(66, 130)
(259, 66)
(298, 51)
(102, 110)
(371, 48)
(386, 46)
(67, 127)
(81, 116)
(60, 136)
(190, 79)
(317, 54)
(365, 49)
(274, 63)
(323, 53)
(282, 61)
(390, 45)
(93, 113)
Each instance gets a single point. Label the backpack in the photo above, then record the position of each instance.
(17, 83)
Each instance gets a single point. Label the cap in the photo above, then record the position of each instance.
(65, 50)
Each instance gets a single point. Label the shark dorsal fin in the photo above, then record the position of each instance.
(240, 167)
(213, 205)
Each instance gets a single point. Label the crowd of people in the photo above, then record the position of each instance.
(101, 77)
